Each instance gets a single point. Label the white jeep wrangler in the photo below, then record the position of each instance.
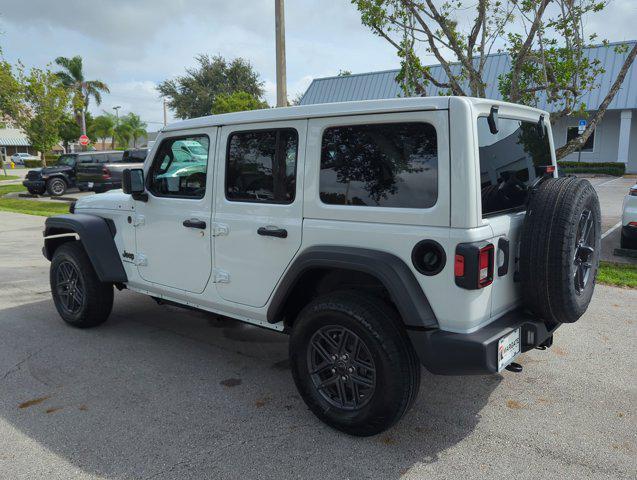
(381, 235)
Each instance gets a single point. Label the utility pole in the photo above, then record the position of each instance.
(281, 88)
(165, 114)
(116, 108)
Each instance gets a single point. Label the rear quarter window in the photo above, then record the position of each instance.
(380, 165)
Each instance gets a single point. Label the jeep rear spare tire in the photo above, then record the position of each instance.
(560, 249)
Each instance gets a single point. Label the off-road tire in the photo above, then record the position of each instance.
(97, 299)
(377, 326)
(56, 187)
(551, 249)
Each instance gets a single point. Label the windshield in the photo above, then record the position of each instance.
(66, 160)
(510, 161)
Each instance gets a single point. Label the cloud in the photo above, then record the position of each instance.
(133, 45)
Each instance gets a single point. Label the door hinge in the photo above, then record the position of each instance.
(219, 229)
(220, 276)
(140, 260)
(138, 220)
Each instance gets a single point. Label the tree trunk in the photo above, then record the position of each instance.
(579, 141)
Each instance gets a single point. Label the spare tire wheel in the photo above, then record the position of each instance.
(560, 249)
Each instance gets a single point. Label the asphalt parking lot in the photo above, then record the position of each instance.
(164, 393)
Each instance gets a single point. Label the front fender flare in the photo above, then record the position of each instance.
(96, 235)
(391, 271)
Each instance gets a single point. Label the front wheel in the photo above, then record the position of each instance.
(353, 364)
(80, 298)
(56, 187)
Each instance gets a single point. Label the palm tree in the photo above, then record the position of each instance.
(72, 77)
(137, 126)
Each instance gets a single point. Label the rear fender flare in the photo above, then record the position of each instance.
(395, 275)
(97, 236)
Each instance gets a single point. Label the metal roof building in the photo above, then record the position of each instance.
(615, 138)
(13, 140)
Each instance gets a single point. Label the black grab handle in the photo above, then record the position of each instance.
(195, 224)
(273, 232)
(503, 244)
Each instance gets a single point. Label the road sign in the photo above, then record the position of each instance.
(581, 126)
(84, 140)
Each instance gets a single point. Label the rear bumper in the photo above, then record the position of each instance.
(629, 232)
(35, 184)
(447, 353)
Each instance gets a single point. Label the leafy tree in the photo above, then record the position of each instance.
(236, 102)
(123, 134)
(103, 128)
(45, 104)
(68, 130)
(137, 126)
(547, 59)
(10, 92)
(194, 94)
(72, 77)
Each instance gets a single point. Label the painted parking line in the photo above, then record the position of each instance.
(611, 230)
(609, 181)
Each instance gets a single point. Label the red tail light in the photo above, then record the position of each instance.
(485, 266)
(550, 169)
(106, 173)
(458, 268)
(633, 191)
(474, 265)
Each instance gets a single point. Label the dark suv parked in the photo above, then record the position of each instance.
(101, 177)
(57, 179)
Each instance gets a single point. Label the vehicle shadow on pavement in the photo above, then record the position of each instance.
(163, 392)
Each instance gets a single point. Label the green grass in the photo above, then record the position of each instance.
(4, 189)
(33, 207)
(29, 207)
(618, 275)
(7, 177)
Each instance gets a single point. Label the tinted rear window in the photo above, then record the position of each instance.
(131, 156)
(384, 165)
(510, 161)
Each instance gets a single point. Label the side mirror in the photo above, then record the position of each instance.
(133, 181)
(492, 120)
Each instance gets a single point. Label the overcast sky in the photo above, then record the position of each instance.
(133, 45)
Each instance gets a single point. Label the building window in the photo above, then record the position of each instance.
(261, 166)
(380, 165)
(573, 132)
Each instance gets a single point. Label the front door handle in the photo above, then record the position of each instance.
(194, 223)
(273, 232)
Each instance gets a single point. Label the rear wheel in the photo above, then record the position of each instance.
(79, 296)
(353, 364)
(56, 187)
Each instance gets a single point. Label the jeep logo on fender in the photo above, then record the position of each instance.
(128, 255)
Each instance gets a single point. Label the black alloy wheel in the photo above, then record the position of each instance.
(584, 251)
(341, 367)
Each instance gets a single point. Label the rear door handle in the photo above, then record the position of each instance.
(273, 232)
(194, 223)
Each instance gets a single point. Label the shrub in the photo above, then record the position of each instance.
(38, 163)
(608, 168)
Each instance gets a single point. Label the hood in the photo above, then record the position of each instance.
(55, 169)
(111, 200)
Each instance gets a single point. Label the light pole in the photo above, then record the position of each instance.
(116, 108)
(281, 88)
